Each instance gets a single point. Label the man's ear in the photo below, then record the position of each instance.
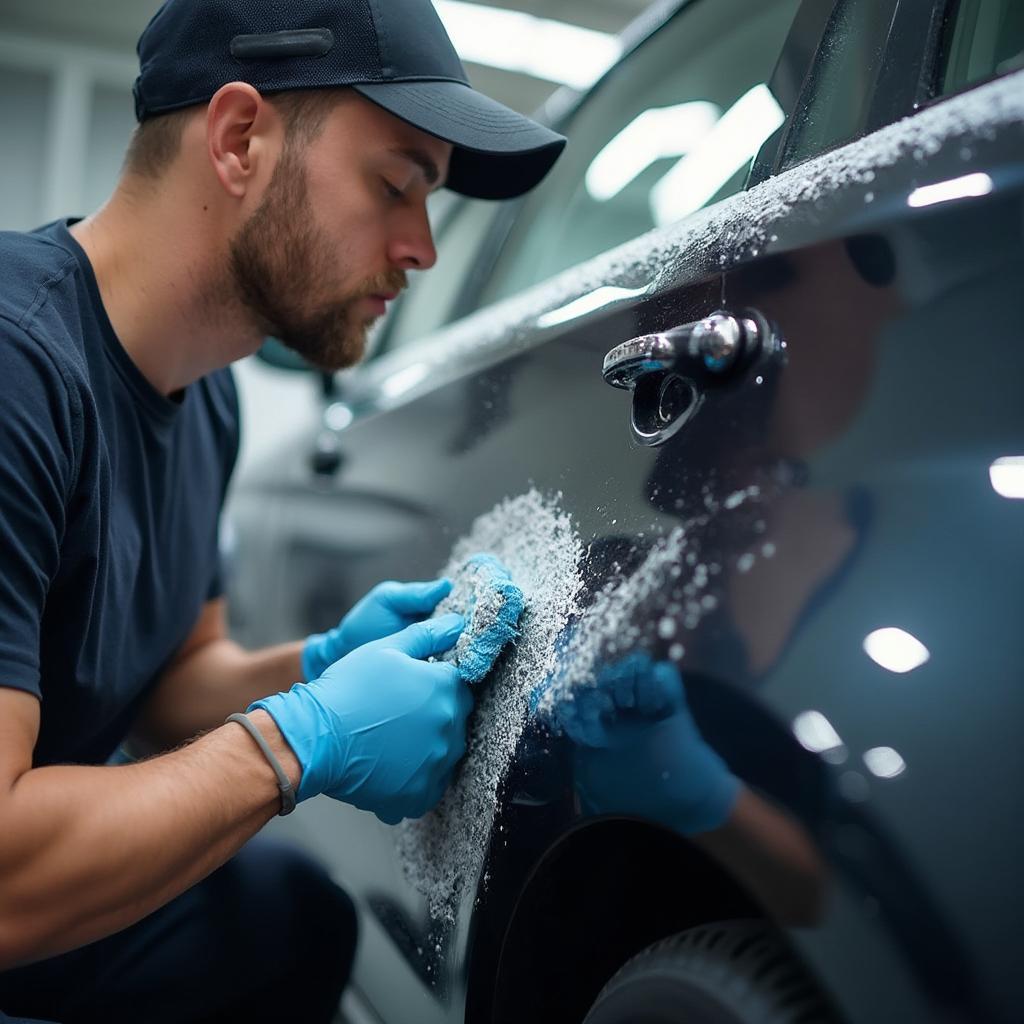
(241, 131)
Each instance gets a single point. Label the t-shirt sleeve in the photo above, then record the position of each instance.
(36, 469)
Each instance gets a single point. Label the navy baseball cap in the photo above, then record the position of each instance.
(396, 53)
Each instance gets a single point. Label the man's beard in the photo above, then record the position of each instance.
(279, 259)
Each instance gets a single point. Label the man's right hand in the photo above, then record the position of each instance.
(382, 728)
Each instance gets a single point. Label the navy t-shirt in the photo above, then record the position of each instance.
(110, 496)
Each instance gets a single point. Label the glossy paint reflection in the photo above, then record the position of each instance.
(637, 752)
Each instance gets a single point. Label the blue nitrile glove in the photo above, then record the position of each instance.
(382, 728)
(638, 750)
(385, 610)
(628, 697)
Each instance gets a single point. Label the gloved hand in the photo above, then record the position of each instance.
(638, 750)
(382, 728)
(385, 610)
(628, 696)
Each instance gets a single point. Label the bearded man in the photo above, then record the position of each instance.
(276, 185)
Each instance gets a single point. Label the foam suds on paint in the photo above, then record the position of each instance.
(659, 602)
(609, 626)
(444, 851)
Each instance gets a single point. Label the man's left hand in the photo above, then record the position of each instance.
(387, 609)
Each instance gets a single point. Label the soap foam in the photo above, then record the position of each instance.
(444, 851)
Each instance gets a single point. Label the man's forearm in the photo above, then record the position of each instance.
(86, 851)
(199, 691)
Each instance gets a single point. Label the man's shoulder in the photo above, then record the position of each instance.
(38, 309)
(33, 264)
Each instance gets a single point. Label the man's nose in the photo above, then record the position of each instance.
(412, 245)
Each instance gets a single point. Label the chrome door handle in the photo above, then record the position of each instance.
(671, 373)
(707, 348)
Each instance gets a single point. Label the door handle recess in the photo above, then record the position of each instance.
(705, 350)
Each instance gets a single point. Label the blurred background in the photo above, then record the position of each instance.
(66, 112)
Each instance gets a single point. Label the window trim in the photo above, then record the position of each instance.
(915, 42)
(906, 80)
(787, 157)
(789, 80)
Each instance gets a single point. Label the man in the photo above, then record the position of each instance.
(277, 185)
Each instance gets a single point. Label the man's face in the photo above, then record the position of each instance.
(342, 220)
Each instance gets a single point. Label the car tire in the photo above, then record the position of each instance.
(723, 973)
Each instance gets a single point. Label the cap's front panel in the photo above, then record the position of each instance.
(414, 43)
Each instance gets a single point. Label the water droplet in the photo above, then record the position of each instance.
(869, 197)
(745, 562)
(666, 628)
(759, 379)
(676, 652)
(768, 550)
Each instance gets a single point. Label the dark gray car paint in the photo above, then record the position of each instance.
(872, 443)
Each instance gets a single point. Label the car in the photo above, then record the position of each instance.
(738, 391)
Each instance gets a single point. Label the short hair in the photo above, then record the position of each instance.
(156, 142)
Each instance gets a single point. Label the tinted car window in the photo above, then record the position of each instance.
(673, 128)
(987, 40)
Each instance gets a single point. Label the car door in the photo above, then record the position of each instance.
(836, 484)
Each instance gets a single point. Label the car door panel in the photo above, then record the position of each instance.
(840, 486)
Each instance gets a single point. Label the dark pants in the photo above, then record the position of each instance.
(266, 937)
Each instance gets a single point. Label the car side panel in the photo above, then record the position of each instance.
(862, 455)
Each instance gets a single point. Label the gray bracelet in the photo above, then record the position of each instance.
(283, 782)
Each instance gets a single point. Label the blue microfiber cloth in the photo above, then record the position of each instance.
(482, 592)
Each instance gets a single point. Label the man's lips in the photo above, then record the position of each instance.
(379, 303)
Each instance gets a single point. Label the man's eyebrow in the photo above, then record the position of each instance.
(421, 160)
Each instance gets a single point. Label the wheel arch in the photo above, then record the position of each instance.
(601, 894)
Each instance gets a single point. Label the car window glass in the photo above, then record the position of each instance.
(987, 40)
(670, 130)
(429, 300)
(840, 92)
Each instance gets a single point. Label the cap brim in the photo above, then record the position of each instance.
(498, 152)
